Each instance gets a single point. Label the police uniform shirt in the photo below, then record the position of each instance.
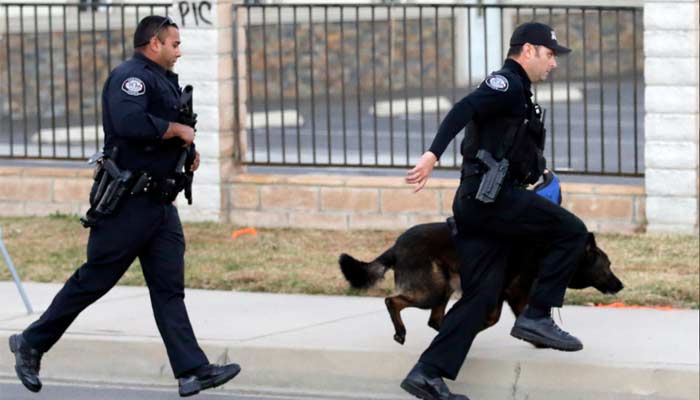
(139, 100)
(504, 93)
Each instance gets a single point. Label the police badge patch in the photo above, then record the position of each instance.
(497, 82)
(133, 86)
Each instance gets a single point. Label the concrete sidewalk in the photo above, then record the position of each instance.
(342, 347)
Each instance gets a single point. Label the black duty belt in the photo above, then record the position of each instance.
(471, 169)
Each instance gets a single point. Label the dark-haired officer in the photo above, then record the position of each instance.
(502, 152)
(132, 213)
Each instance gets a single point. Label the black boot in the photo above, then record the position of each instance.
(27, 362)
(206, 377)
(543, 332)
(428, 386)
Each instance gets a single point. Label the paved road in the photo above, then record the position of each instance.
(335, 133)
(74, 391)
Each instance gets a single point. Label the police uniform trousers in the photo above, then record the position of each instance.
(486, 232)
(144, 228)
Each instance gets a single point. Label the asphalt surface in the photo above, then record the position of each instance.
(334, 132)
(75, 391)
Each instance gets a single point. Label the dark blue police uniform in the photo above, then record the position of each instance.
(487, 230)
(139, 100)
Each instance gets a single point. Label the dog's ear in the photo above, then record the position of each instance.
(590, 242)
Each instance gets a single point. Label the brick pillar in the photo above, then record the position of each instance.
(207, 64)
(672, 124)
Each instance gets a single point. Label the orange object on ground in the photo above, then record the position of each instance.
(244, 231)
(623, 305)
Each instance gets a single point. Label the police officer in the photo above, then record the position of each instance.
(139, 110)
(502, 152)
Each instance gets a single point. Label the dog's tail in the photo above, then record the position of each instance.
(362, 275)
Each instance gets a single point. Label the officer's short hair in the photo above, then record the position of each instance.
(148, 27)
(515, 51)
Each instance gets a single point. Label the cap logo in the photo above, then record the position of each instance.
(497, 82)
(133, 86)
(554, 36)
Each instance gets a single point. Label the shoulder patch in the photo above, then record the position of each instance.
(133, 86)
(497, 82)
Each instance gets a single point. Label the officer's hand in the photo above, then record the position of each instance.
(420, 173)
(186, 133)
(195, 163)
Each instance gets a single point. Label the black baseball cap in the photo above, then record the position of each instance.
(149, 27)
(538, 34)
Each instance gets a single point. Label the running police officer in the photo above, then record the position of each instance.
(502, 152)
(132, 215)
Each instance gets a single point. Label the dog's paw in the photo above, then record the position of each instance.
(400, 339)
(434, 325)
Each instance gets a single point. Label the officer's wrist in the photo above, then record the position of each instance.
(430, 155)
(171, 132)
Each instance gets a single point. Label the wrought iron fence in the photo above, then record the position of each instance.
(361, 85)
(366, 85)
(54, 59)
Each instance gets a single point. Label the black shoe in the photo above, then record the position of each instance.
(426, 387)
(544, 333)
(27, 362)
(207, 377)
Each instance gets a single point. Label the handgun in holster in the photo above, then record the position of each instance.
(492, 180)
(110, 186)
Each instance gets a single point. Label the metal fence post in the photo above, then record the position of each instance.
(11, 267)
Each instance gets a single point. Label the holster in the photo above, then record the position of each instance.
(492, 180)
(110, 186)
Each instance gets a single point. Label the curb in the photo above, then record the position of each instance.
(355, 374)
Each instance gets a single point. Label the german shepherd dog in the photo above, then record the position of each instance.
(426, 273)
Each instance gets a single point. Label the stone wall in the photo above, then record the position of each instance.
(353, 202)
(343, 71)
(304, 201)
(672, 122)
(34, 191)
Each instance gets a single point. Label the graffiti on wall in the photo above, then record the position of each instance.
(198, 12)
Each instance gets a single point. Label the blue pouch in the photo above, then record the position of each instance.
(549, 188)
